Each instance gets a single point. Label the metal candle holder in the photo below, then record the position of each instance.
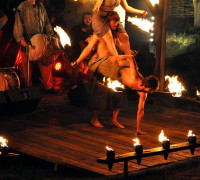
(139, 149)
(110, 158)
(4, 150)
(166, 144)
(192, 139)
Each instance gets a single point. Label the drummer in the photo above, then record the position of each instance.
(30, 19)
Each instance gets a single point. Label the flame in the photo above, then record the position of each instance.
(154, 2)
(175, 86)
(113, 84)
(64, 38)
(190, 133)
(3, 142)
(162, 137)
(136, 142)
(109, 149)
(143, 24)
(198, 93)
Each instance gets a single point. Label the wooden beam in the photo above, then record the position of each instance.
(163, 44)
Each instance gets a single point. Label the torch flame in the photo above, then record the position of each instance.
(136, 142)
(162, 137)
(64, 38)
(198, 93)
(109, 149)
(143, 24)
(154, 2)
(190, 133)
(114, 84)
(3, 142)
(175, 86)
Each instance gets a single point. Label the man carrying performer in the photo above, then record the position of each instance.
(121, 67)
(31, 19)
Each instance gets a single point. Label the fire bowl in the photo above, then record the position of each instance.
(166, 144)
(139, 149)
(192, 139)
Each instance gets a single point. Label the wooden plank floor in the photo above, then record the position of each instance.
(60, 133)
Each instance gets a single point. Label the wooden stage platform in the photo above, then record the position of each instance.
(60, 133)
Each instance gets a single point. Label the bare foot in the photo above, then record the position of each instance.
(96, 123)
(141, 132)
(118, 125)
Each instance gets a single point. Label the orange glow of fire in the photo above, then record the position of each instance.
(175, 87)
(162, 137)
(190, 133)
(198, 93)
(136, 142)
(64, 38)
(3, 142)
(154, 2)
(113, 84)
(58, 66)
(109, 149)
(143, 24)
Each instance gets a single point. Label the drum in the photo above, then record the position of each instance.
(44, 48)
(9, 79)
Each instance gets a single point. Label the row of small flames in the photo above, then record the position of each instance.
(162, 138)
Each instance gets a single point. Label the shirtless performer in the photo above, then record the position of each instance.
(121, 67)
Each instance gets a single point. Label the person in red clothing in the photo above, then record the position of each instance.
(31, 19)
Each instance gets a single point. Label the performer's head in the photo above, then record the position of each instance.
(113, 20)
(87, 19)
(151, 83)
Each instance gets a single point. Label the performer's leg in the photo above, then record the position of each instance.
(46, 73)
(108, 37)
(124, 38)
(114, 119)
(94, 121)
(25, 69)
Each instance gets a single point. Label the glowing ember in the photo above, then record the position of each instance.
(113, 84)
(154, 2)
(136, 142)
(143, 24)
(64, 38)
(175, 87)
(190, 133)
(198, 93)
(162, 137)
(3, 142)
(109, 149)
(58, 66)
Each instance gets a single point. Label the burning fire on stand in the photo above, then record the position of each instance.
(190, 133)
(109, 149)
(3, 142)
(162, 137)
(143, 24)
(114, 85)
(64, 38)
(175, 87)
(136, 140)
(198, 93)
(154, 2)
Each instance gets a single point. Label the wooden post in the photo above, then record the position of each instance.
(163, 44)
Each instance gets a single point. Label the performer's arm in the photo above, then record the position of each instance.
(140, 112)
(87, 50)
(132, 10)
(97, 6)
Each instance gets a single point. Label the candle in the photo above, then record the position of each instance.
(191, 137)
(138, 146)
(3, 146)
(110, 153)
(164, 140)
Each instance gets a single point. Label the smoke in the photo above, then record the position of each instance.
(74, 10)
